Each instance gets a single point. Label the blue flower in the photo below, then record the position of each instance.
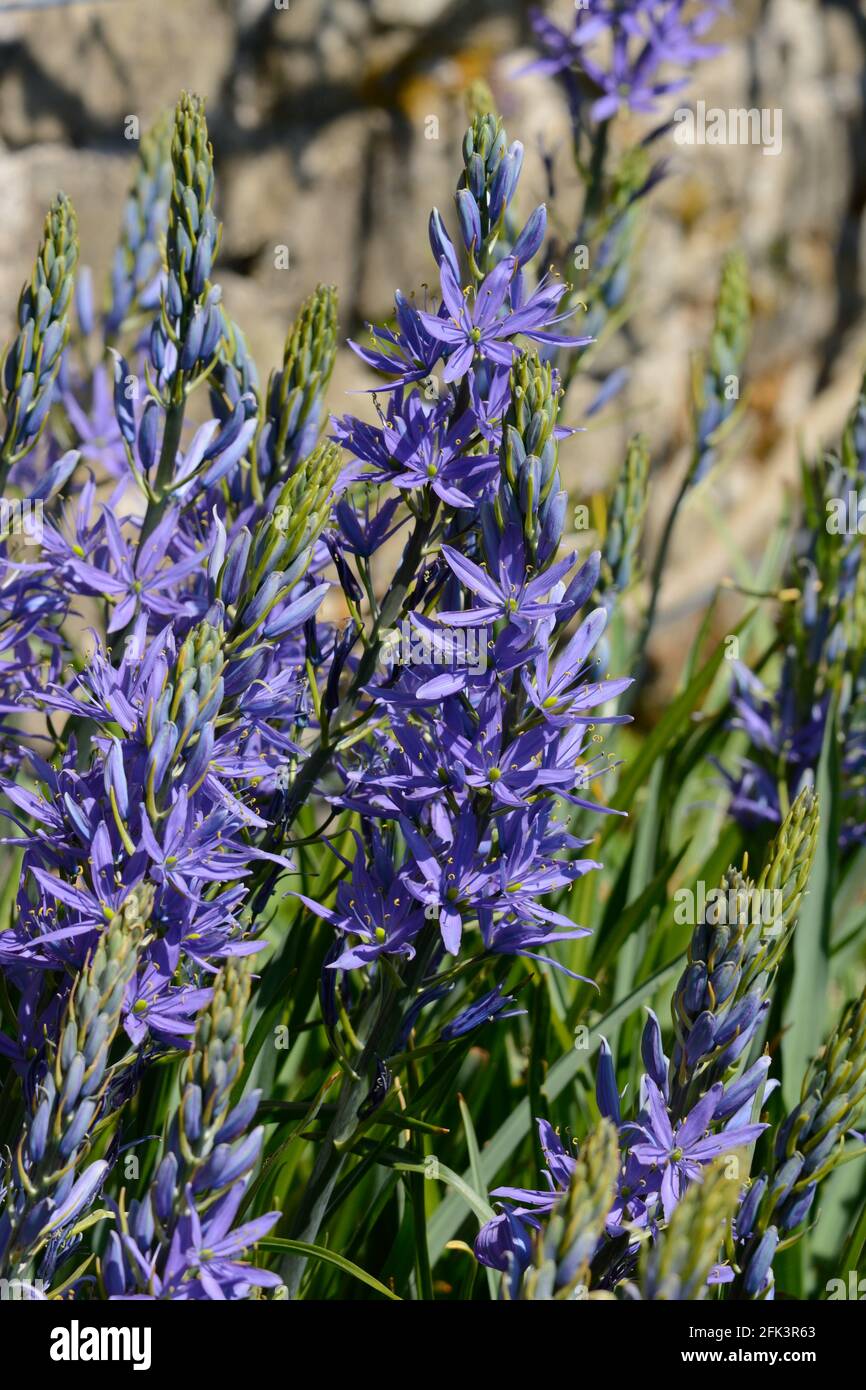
(677, 1155)
(480, 327)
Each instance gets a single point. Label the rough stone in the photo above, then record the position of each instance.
(321, 120)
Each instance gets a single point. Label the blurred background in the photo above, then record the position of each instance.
(337, 125)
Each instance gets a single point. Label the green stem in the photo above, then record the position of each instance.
(392, 604)
(392, 607)
(656, 578)
(332, 1154)
(596, 176)
(379, 1025)
(853, 1251)
(423, 1271)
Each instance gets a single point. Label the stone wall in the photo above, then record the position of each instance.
(321, 118)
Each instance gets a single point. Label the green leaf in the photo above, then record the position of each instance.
(477, 1177)
(439, 1172)
(806, 1006)
(307, 1111)
(319, 1252)
(643, 860)
(58, 1290)
(850, 1258)
(445, 1222)
(671, 725)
